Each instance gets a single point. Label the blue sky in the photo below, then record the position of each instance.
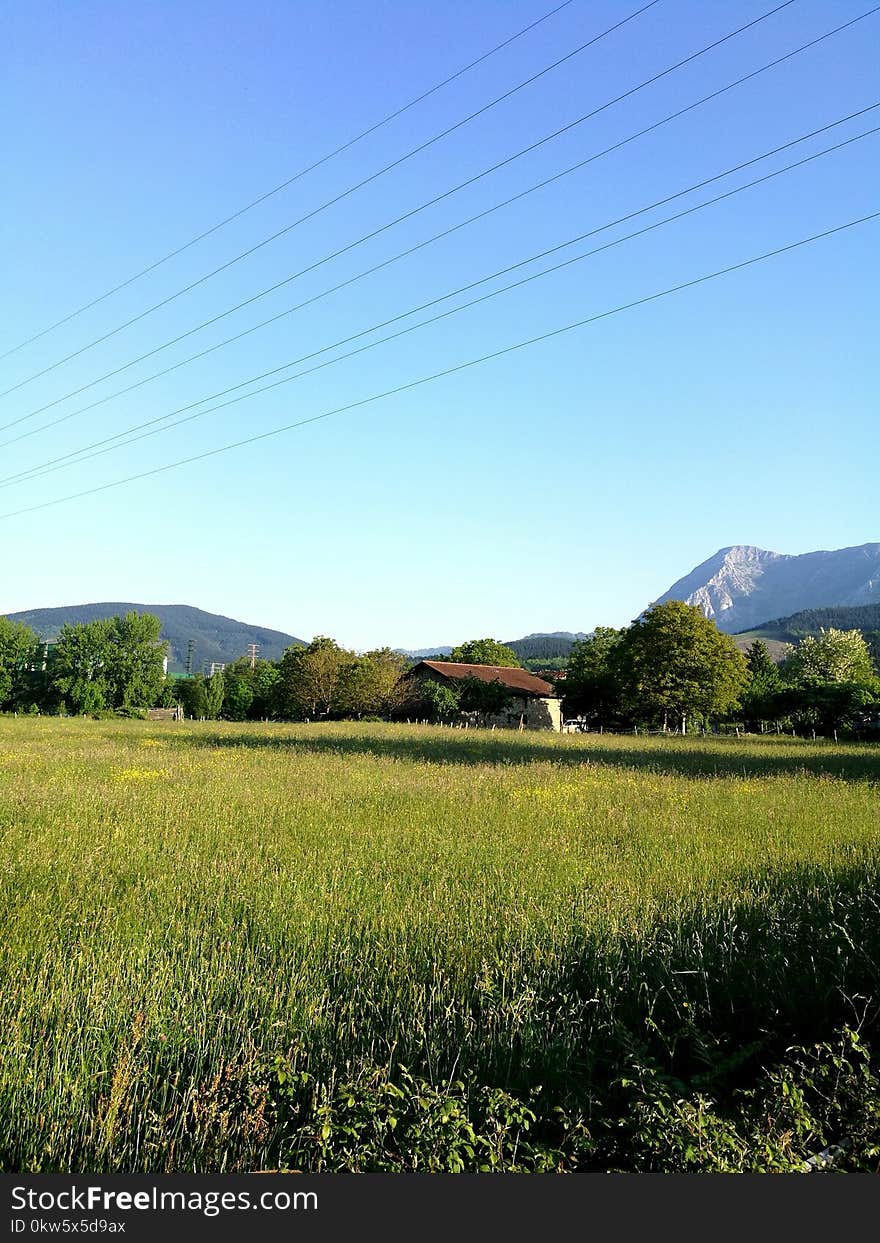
(559, 487)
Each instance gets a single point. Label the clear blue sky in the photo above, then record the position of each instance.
(558, 488)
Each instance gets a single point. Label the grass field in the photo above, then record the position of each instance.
(343, 946)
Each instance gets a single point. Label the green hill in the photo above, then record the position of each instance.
(217, 638)
(783, 630)
(544, 650)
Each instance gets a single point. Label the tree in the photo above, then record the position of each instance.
(112, 662)
(238, 696)
(834, 656)
(675, 662)
(264, 681)
(192, 696)
(827, 707)
(79, 665)
(592, 685)
(169, 695)
(18, 650)
(486, 698)
(484, 652)
(135, 670)
(439, 700)
(371, 684)
(760, 697)
(215, 688)
(832, 680)
(248, 694)
(309, 678)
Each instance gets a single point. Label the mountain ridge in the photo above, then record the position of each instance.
(741, 586)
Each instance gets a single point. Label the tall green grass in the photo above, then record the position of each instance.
(372, 946)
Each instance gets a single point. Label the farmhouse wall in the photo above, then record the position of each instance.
(529, 707)
(535, 714)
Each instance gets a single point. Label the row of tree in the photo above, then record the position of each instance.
(112, 664)
(320, 680)
(672, 668)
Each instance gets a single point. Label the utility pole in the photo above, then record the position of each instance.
(190, 649)
(252, 650)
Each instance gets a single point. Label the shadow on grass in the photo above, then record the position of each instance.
(704, 996)
(696, 757)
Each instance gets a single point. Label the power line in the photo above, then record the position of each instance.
(437, 375)
(78, 456)
(290, 180)
(376, 267)
(347, 192)
(430, 203)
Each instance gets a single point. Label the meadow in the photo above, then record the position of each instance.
(366, 946)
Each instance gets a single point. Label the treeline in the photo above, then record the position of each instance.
(542, 651)
(117, 665)
(672, 668)
(863, 617)
(320, 680)
(113, 665)
(323, 681)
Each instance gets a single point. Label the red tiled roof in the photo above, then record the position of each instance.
(516, 679)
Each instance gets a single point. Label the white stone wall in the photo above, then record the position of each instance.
(535, 713)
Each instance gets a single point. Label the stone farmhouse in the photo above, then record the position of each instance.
(534, 703)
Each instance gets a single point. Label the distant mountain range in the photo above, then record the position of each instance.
(217, 638)
(741, 587)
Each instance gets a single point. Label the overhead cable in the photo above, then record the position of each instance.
(77, 456)
(448, 371)
(344, 194)
(289, 181)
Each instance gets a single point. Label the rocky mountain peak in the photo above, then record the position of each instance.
(742, 586)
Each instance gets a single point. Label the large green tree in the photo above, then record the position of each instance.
(310, 679)
(112, 662)
(79, 665)
(238, 694)
(484, 652)
(675, 663)
(833, 656)
(135, 671)
(370, 685)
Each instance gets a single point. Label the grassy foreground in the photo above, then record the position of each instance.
(342, 946)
